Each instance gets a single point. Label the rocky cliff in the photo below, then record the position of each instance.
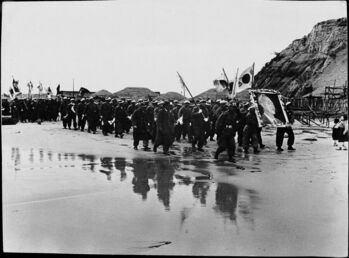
(309, 64)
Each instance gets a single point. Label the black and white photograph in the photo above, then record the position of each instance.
(175, 127)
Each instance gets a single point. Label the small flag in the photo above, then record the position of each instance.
(83, 91)
(245, 79)
(15, 87)
(40, 87)
(12, 93)
(221, 83)
(7, 95)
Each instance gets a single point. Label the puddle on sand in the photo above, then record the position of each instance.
(142, 188)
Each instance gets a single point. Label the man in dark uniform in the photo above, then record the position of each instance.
(140, 127)
(251, 130)
(63, 109)
(92, 114)
(120, 117)
(80, 109)
(107, 115)
(164, 128)
(242, 122)
(72, 115)
(281, 130)
(185, 111)
(178, 126)
(197, 128)
(226, 130)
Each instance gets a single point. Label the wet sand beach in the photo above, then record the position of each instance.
(68, 191)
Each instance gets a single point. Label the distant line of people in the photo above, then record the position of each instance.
(159, 122)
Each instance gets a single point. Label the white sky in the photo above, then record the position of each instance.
(142, 43)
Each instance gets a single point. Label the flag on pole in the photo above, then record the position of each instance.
(12, 93)
(40, 87)
(30, 87)
(16, 87)
(221, 83)
(83, 91)
(245, 80)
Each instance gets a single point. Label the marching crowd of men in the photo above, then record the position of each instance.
(161, 122)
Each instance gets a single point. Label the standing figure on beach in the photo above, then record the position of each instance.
(164, 128)
(343, 132)
(226, 128)
(335, 130)
(281, 130)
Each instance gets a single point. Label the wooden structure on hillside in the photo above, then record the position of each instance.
(332, 103)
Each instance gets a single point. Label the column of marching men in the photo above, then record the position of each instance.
(159, 122)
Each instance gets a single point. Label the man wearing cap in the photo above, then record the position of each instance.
(107, 115)
(80, 109)
(178, 126)
(281, 130)
(226, 130)
(63, 109)
(164, 128)
(251, 130)
(92, 114)
(71, 118)
(140, 127)
(197, 129)
(243, 110)
(185, 111)
(120, 117)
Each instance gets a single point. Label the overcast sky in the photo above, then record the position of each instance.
(142, 43)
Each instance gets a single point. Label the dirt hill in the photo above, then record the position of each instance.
(102, 93)
(135, 93)
(171, 95)
(309, 64)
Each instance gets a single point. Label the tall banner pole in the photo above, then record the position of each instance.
(252, 82)
(235, 83)
(225, 75)
(183, 83)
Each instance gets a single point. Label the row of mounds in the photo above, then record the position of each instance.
(139, 93)
(145, 93)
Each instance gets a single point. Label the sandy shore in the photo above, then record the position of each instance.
(61, 194)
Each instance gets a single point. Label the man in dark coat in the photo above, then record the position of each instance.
(226, 130)
(63, 109)
(185, 112)
(72, 115)
(107, 115)
(120, 117)
(250, 132)
(92, 114)
(140, 126)
(280, 131)
(80, 109)
(164, 128)
(197, 128)
(242, 122)
(178, 126)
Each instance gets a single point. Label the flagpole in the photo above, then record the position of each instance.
(73, 88)
(180, 77)
(225, 76)
(236, 81)
(252, 76)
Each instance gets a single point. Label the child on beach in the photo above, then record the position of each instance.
(343, 132)
(335, 130)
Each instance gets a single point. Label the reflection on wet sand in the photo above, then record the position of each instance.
(200, 190)
(226, 200)
(160, 174)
